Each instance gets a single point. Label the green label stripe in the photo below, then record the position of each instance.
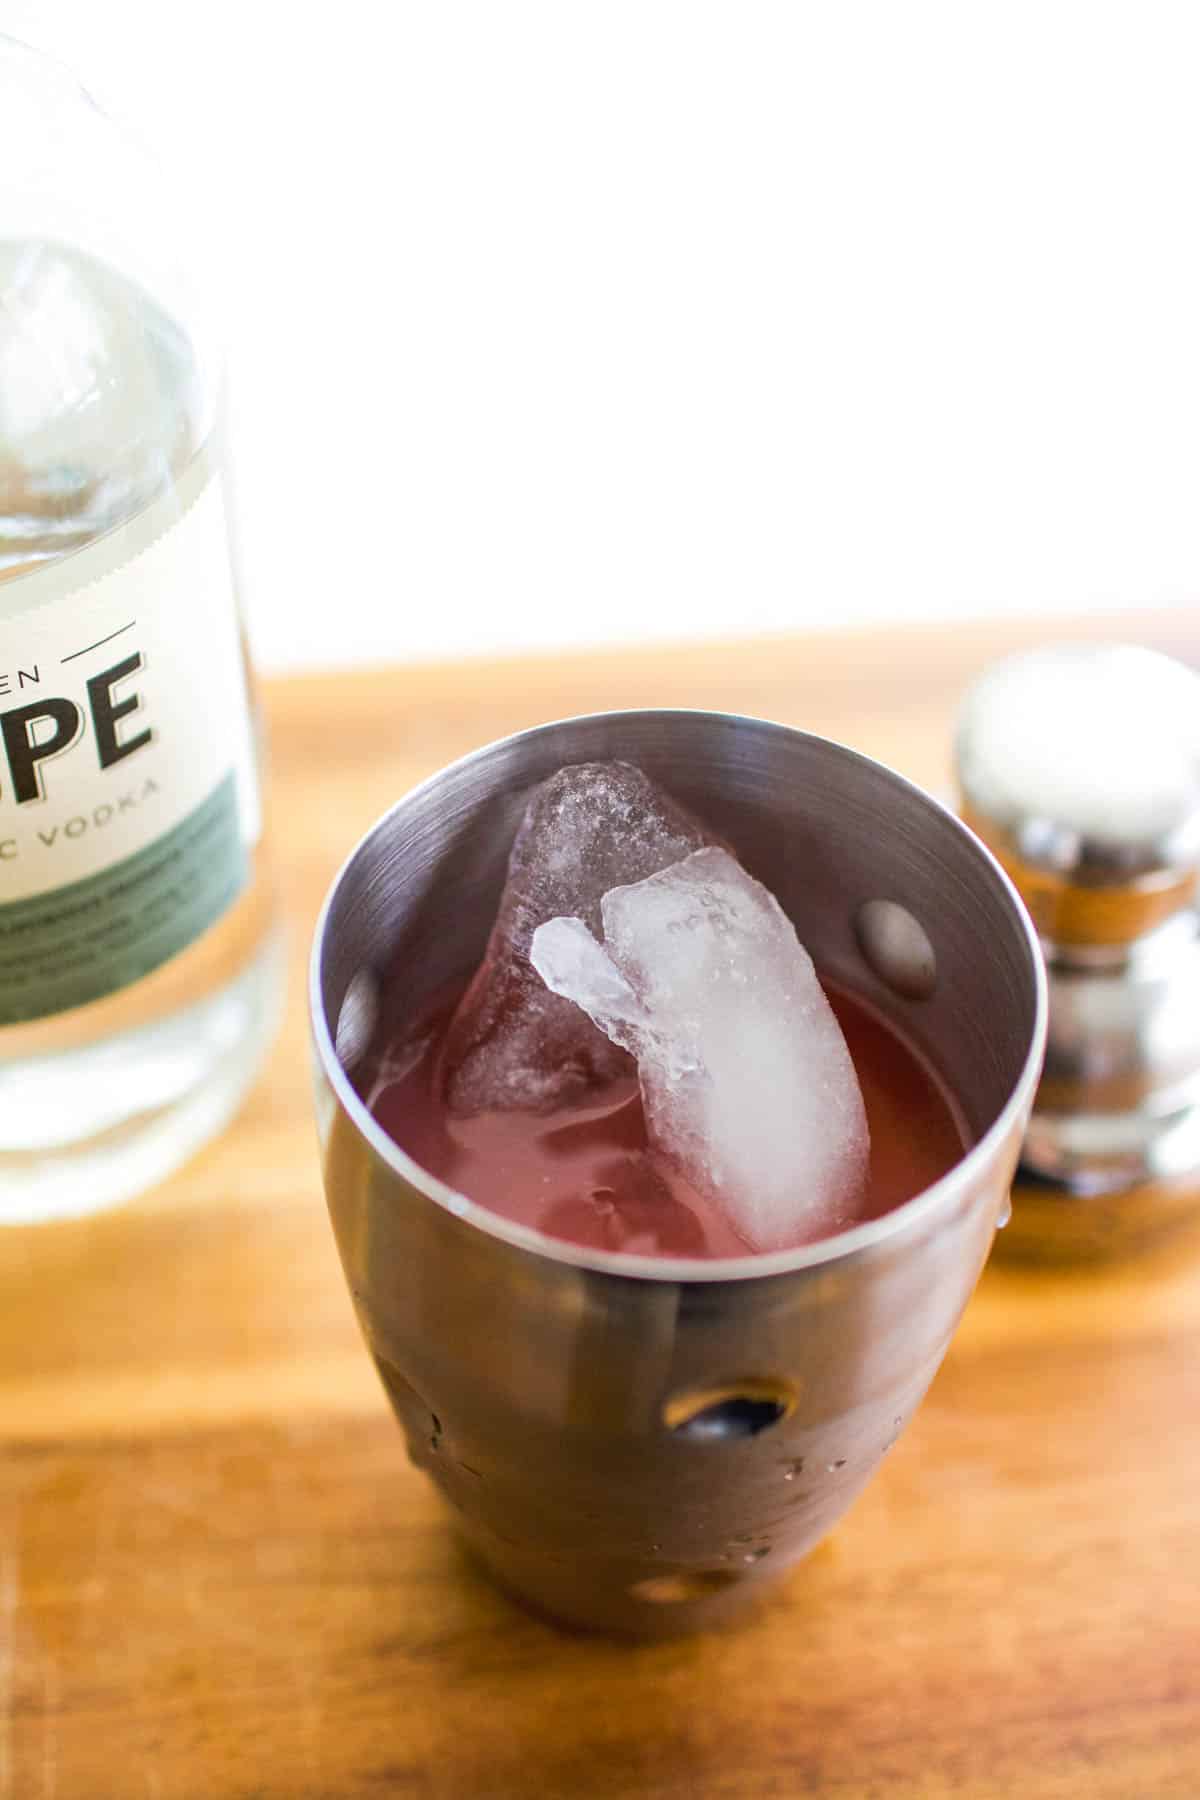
(81, 942)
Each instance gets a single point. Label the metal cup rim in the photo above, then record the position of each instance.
(858, 1243)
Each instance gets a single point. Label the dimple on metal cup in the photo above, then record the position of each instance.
(634, 1443)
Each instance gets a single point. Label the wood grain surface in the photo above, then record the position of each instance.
(219, 1576)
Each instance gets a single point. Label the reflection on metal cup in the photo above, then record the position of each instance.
(640, 1444)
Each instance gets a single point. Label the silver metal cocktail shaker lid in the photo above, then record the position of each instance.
(1079, 766)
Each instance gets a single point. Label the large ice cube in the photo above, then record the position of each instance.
(513, 1044)
(746, 1080)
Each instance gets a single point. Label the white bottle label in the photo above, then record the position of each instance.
(128, 791)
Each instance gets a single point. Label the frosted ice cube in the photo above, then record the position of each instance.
(513, 1044)
(746, 1080)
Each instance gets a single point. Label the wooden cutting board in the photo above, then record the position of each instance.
(220, 1577)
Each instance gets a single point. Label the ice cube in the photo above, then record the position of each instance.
(746, 1080)
(513, 1044)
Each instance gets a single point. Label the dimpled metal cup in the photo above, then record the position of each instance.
(633, 1443)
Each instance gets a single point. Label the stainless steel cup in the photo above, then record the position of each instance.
(640, 1444)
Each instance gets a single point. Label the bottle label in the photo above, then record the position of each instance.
(128, 790)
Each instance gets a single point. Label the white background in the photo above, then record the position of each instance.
(570, 322)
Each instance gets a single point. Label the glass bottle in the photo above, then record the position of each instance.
(140, 961)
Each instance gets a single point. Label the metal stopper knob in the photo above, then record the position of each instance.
(1079, 766)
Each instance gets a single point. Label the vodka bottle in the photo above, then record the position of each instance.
(139, 955)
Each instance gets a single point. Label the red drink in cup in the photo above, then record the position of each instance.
(582, 1172)
(657, 1239)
